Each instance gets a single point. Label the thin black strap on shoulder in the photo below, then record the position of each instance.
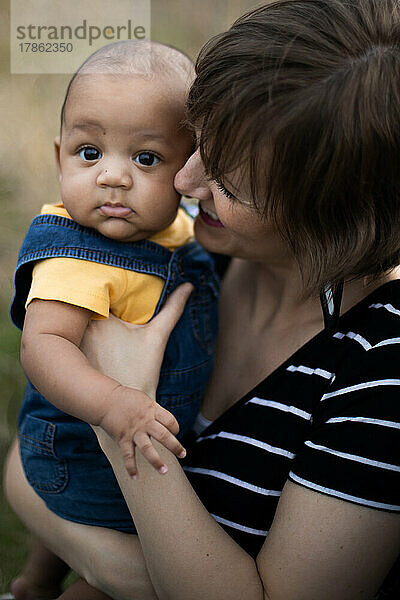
(331, 300)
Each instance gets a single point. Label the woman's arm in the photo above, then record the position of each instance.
(309, 553)
(322, 547)
(318, 546)
(188, 555)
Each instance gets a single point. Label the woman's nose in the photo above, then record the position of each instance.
(116, 175)
(191, 179)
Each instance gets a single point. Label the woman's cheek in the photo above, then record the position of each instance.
(233, 216)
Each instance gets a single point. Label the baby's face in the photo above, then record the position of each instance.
(121, 145)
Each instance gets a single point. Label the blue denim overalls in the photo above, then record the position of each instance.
(60, 454)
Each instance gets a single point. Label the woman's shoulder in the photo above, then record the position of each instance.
(374, 322)
(387, 294)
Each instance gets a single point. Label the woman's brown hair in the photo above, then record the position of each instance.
(303, 97)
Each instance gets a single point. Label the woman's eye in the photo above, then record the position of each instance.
(89, 153)
(223, 189)
(146, 159)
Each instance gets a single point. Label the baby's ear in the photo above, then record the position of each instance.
(57, 142)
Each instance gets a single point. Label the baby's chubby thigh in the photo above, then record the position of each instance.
(65, 466)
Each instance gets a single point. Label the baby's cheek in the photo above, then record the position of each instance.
(76, 190)
(77, 208)
(165, 212)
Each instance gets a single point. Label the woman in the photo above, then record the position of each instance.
(290, 492)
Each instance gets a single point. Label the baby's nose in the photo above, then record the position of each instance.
(191, 180)
(115, 174)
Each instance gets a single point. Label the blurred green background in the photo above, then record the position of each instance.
(29, 120)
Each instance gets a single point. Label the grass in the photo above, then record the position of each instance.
(14, 539)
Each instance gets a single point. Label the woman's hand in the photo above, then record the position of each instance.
(132, 354)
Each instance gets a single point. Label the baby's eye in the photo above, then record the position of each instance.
(89, 153)
(146, 159)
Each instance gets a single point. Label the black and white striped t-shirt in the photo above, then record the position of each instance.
(327, 419)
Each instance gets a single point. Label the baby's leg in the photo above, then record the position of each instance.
(42, 575)
(80, 590)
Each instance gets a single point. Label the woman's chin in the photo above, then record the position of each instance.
(213, 239)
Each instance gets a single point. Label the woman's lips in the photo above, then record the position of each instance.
(208, 218)
(117, 211)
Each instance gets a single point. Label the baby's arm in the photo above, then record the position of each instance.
(51, 358)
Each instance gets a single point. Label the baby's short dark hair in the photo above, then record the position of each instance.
(303, 97)
(134, 57)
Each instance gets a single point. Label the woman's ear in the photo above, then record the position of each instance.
(57, 142)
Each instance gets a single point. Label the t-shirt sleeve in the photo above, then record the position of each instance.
(81, 283)
(353, 450)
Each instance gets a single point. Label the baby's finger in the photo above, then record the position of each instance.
(143, 442)
(167, 419)
(128, 453)
(165, 437)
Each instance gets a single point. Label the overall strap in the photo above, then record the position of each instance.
(190, 263)
(51, 236)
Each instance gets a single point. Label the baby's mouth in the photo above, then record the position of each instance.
(115, 210)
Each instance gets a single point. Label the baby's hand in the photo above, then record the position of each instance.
(131, 418)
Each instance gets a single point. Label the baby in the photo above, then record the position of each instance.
(118, 242)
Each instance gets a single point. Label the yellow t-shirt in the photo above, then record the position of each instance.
(102, 288)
